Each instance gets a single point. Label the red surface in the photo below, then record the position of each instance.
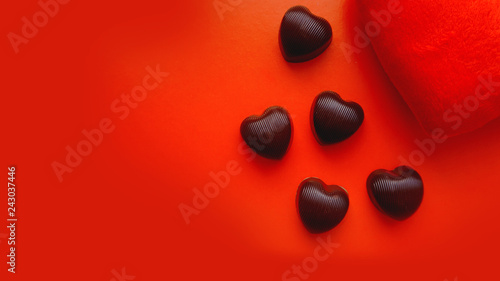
(120, 207)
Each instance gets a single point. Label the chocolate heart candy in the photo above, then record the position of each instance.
(396, 193)
(269, 134)
(333, 119)
(321, 207)
(303, 35)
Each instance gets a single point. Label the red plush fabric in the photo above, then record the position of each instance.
(443, 56)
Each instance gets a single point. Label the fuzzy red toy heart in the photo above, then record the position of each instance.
(443, 57)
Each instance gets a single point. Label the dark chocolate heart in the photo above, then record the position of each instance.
(333, 119)
(270, 134)
(396, 193)
(303, 35)
(321, 207)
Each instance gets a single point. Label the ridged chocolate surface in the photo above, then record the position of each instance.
(321, 207)
(303, 35)
(396, 193)
(333, 119)
(269, 135)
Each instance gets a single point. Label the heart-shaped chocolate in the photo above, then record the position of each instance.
(270, 134)
(396, 193)
(303, 35)
(443, 57)
(333, 119)
(321, 207)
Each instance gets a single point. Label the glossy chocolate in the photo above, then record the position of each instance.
(396, 193)
(321, 207)
(303, 35)
(333, 119)
(270, 134)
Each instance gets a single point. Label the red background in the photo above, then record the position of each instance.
(120, 207)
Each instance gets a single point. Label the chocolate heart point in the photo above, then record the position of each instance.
(333, 119)
(303, 35)
(321, 207)
(396, 193)
(269, 135)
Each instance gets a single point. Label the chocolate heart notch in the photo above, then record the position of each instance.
(396, 193)
(333, 119)
(270, 134)
(303, 35)
(321, 207)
